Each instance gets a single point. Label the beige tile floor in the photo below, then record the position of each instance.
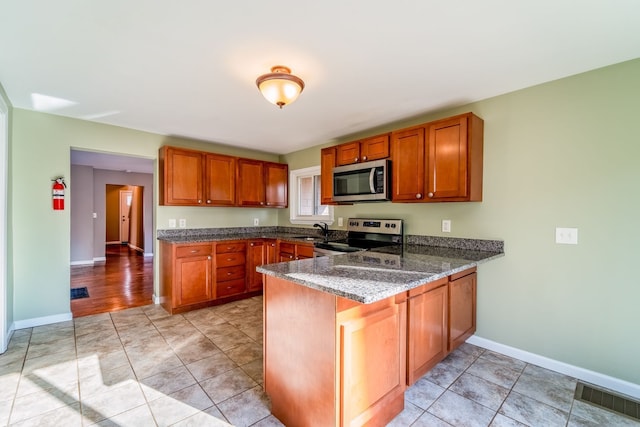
(142, 367)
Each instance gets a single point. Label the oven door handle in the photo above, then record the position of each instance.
(371, 175)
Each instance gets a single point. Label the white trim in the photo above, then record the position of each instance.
(148, 254)
(100, 259)
(294, 218)
(156, 299)
(5, 330)
(39, 321)
(596, 378)
(83, 262)
(114, 242)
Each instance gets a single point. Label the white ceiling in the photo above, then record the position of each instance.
(188, 68)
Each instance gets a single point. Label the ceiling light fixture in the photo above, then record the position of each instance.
(280, 87)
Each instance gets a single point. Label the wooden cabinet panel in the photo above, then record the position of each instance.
(256, 256)
(370, 339)
(348, 153)
(447, 159)
(230, 259)
(250, 182)
(230, 287)
(193, 250)
(232, 246)
(462, 308)
(276, 185)
(181, 177)
(193, 276)
(304, 251)
(220, 180)
(374, 148)
(327, 163)
(271, 251)
(408, 162)
(426, 330)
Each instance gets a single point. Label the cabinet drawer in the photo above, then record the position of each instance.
(231, 287)
(229, 259)
(223, 248)
(289, 248)
(230, 273)
(305, 251)
(193, 250)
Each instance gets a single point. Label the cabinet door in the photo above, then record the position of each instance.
(407, 154)
(276, 178)
(193, 280)
(256, 256)
(327, 163)
(462, 309)
(348, 153)
(271, 251)
(220, 180)
(447, 172)
(182, 177)
(370, 340)
(250, 182)
(374, 148)
(426, 331)
(304, 251)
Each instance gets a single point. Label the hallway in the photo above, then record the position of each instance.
(124, 280)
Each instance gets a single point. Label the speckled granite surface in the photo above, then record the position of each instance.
(371, 276)
(195, 235)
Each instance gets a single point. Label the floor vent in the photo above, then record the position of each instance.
(607, 400)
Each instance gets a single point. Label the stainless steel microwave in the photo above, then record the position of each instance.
(362, 182)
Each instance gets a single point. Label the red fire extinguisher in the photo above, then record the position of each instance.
(58, 193)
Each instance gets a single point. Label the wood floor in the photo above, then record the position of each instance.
(124, 280)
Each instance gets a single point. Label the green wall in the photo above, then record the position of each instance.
(566, 154)
(40, 151)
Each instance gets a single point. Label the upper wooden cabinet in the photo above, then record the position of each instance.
(373, 148)
(262, 184)
(196, 178)
(439, 161)
(180, 177)
(327, 163)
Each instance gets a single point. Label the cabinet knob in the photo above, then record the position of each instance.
(229, 273)
(419, 196)
(208, 201)
(209, 257)
(194, 251)
(268, 203)
(262, 203)
(430, 195)
(364, 158)
(199, 201)
(251, 244)
(229, 259)
(356, 159)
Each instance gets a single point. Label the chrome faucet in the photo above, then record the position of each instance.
(324, 227)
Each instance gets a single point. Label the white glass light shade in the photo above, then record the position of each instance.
(280, 87)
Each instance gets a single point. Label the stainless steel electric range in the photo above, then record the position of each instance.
(364, 234)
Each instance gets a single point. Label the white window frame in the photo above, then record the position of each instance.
(294, 216)
(5, 329)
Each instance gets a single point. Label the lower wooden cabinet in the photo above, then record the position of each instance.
(462, 307)
(288, 251)
(230, 268)
(427, 319)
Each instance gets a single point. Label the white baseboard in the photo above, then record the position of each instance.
(100, 259)
(148, 254)
(4, 345)
(83, 262)
(156, 299)
(39, 321)
(595, 378)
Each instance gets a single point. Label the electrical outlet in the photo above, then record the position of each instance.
(567, 236)
(256, 221)
(446, 226)
(182, 222)
(172, 223)
(340, 221)
(95, 215)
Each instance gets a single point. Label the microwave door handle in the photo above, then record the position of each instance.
(371, 175)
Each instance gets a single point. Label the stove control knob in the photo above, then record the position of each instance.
(393, 226)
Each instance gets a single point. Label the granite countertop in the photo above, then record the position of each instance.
(199, 238)
(371, 276)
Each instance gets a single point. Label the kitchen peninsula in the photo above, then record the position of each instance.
(344, 335)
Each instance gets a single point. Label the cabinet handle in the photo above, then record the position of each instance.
(356, 159)
(209, 257)
(268, 204)
(419, 196)
(208, 201)
(250, 244)
(194, 251)
(229, 273)
(229, 259)
(262, 203)
(430, 195)
(364, 158)
(199, 201)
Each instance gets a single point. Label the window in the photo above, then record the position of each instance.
(305, 201)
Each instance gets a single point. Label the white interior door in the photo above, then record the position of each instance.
(125, 215)
(4, 144)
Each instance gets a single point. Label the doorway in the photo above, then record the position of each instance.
(112, 244)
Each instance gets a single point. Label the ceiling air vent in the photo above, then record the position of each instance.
(607, 400)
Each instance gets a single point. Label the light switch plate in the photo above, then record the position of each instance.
(566, 236)
(172, 223)
(340, 221)
(446, 226)
(182, 222)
